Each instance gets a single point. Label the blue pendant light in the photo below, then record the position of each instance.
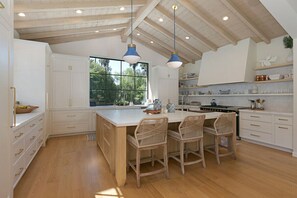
(131, 56)
(174, 61)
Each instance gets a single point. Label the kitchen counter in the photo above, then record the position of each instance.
(266, 112)
(107, 107)
(22, 119)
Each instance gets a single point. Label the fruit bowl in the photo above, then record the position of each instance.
(25, 109)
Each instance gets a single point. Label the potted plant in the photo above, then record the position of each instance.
(288, 43)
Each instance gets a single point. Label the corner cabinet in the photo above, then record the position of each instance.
(70, 79)
(165, 84)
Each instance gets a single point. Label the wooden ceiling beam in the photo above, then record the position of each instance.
(80, 37)
(39, 35)
(170, 35)
(164, 53)
(38, 7)
(140, 16)
(161, 43)
(245, 19)
(67, 20)
(206, 18)
(188, 29)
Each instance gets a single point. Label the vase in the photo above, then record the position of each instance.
(157, 104)
(170, 107)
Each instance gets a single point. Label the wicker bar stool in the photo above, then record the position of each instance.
(189, 130)
(150, 134)
(223, 126)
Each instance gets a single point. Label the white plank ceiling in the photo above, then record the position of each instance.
(56, 21)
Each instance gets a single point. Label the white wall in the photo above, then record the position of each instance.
(109, 47)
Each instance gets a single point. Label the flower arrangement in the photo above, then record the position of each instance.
(288, 42)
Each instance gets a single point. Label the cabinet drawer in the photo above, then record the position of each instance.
(283, 136)
(18, 150)
(256, 117)
(18, 134)
(283, 120)
(39, 141)
(18, 170)
(257, 126)
(70, 128)
(106, 151)
(70, 116)
(30, 138)
(107, 133)
(30, 153)
(40, 120)
(258, 136)
(32, 125)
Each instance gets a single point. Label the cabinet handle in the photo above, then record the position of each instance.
(18, 153)
(40, 129)
(40, 119)
(281, 119)
(255, 125)
(283, 128)
(32, 138)
(17, 136)
(255, 135)
(71, 116)
(32, 152)
(32, 125)
(14, 101)
(21, 170)
(71, 127)
(255, 116)
(69, 67)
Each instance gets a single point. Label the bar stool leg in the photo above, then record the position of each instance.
(202, 152)
(181, 145)
(138, 167)
(217, 149)
(166, 161)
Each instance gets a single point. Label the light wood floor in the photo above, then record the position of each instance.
(72, 167)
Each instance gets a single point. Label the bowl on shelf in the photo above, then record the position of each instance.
(276, 76)
(224, 91)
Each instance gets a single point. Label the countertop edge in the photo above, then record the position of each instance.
(23, 119)
(266, 112)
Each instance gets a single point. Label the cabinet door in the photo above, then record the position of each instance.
(6, 12)
(60, 63)
(61, 89)
(168, 90)
(283, 136)
(79, 89)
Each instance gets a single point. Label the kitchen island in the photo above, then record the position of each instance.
(112, 127)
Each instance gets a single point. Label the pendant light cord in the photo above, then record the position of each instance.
(131, 22)
(174, 27)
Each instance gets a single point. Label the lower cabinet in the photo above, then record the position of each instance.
(70, 121)
(26, 141)
(275, 129)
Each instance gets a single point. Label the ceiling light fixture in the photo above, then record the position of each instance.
(78, 11)
(152, 42)
(97, 31)
(138, 34)
(114, 29)
(225, 18)
(187, 37)
(21, 14)
(131, 56)
(161, 20)
(174, 61)
(122, 8)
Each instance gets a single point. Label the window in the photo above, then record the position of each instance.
(117, 82)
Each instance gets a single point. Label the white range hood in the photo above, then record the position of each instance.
(229, 64)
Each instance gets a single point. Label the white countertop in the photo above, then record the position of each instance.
(266, 112)
(107, 107)
(22, 119)
(131, 117)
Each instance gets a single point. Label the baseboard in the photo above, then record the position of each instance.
(294, 154)
(269, 145)
(70, 134)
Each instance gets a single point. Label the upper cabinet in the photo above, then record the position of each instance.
(70, 81)
(229, 64)
(6, 13)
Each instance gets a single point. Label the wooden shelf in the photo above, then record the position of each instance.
(274, 81)
(239, 95)
(195, 87)
(274, 66)
(184, 79)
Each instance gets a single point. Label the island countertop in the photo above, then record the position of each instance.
(131, 117)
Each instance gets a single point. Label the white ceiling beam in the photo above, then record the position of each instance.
(140, 16)
(188, 29)
(245, 19)
(66, 20)
(206, 18)
(38, 7)
(45, 34)
(66, 39)
(161, 43)
(168, 34)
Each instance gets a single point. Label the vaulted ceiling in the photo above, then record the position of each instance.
(199, 23)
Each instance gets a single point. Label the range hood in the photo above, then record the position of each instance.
(229, 64)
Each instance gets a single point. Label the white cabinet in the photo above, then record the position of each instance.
(70, 81)
(70, 121)
(26, 141)
(6, 12)
(271, 128)
(165, 84)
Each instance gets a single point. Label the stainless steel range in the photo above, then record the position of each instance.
(223, 108)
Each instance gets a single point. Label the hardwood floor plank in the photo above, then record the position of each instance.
(72, 167)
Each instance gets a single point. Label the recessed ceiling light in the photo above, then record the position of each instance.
(122, 8)
(187, 37)
(161, 20)
(21, 14)
(78, 11)
(97, 31)
(152, 42)
(114, 29)
(225, 18)
(138, 34)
